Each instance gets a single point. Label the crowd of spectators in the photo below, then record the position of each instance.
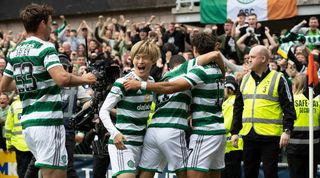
(111, 40)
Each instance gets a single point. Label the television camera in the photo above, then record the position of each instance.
(106, 75)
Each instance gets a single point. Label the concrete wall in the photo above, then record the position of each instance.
(162, 15)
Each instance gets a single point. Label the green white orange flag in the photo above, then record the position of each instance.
(313, 79)
(217, 11)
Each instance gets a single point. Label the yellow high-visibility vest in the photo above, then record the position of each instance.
(262, 109)
(301, 124)
(13, 128)
(151, 112)
(227, 110)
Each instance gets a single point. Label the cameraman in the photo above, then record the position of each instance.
(106, 70)
(101, 159)
(70, 97)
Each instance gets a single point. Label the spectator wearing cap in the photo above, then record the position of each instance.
(142, 35)
(256, 29)
(144, 32)
(233, 156)
(240, 23)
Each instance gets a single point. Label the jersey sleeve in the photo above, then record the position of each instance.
(195, 76)
(192, 64)
(118, 89)
(110, 102)
(8, 71)
(50, 57)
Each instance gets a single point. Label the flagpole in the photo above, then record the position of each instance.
(310, 132)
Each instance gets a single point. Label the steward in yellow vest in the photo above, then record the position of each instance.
(13, 129)
(233, 155)
(298, 148)
(265, 112)
(227, 110)
(15, 140)
(261, 105)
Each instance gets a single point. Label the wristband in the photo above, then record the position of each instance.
(143, 85)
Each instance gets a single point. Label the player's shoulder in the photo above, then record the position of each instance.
(38, 43)
(120, 81)
(47, 46)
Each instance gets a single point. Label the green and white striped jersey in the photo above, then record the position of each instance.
(28, 64)
(207, 97)
(132, 110)
(172, 109)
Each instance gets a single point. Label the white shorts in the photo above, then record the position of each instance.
(124, 161)
(162, 145)
(47, 144)
(206, 152)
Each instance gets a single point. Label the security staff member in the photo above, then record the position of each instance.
(15, 140)
(298, 148)
(233, 156)
(264, 108)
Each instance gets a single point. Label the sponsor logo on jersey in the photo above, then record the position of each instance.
(143, 107)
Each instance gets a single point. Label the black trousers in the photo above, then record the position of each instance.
(2, 139)
(233, 165)
(32, 171)
(100, 165)
(256, 151)
(70, 146)
(23, 158)
(299, 165)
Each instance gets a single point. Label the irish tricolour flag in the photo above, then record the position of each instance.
(217, 11)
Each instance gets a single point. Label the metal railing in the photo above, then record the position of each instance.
(186, 3)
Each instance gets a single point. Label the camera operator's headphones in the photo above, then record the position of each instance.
(65, 61)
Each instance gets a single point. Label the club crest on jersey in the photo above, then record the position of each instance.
(147, 98)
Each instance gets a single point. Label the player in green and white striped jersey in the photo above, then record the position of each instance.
(207, 142)
(35, 70)
(125, 144)
(165, 139)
